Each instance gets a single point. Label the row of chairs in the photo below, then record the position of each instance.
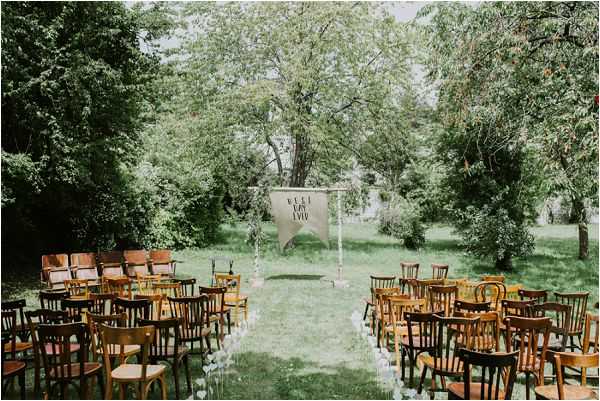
(91, 266)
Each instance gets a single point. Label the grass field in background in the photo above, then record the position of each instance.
(304, 345)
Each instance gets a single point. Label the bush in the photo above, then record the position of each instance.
(403, 220)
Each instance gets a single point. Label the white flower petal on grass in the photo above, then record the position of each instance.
(201, 394)
(201, 382)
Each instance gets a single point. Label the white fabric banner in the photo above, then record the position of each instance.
(293, 210)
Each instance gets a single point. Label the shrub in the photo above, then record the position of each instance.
(403, 220)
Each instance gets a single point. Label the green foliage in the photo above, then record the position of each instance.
(73, 91)
(403, 220)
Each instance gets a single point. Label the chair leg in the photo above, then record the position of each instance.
(366, 311)
(403, 362)
(163, 386)
(22, 384)
(83, 389)
(101, 382)
(397, 352)
(121, 391)
(246, 310)
(176, 379)
(186, 364)
(422, 380)
(228, 322)
(527, 385)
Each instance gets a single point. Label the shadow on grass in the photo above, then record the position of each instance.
(309, 277)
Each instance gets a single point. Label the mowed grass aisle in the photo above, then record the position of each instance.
(304, 346)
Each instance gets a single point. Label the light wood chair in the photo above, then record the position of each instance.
(398, 305)
(380, 313)
(421, 288)
(55, 270)
(495, 291)
(141, 375)
(500, 278)
(84, 266)
(167, 289)
(377, 282)
(136, 262)
(119, 285)
(110, 263)
(590, 339)
(466, 290)
(233, 298)
(562, 391)
(161, 262)
(146, 283)
(441, 298)
(97, 347)
(77, 288)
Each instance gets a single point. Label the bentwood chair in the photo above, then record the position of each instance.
(217, 310)
(167, 347)
(471, 307)
(167, 289)
(495, 291)
(51, 299)
(590, 338)
(421, 329)
(102, 303)
(141, 375)
(233, 298)
(192, 312)
(562, 391)
(13, 367)
(97, 347)
(161, 262)
(500, 278)
(560, 314)
(377, 282)
(18, 306)
(43, 316)
(121, 286)
(442, 297)
(188, 286)
(578, 303)
(408, 271)
(538, 296)
(398, 306)
(77, 288)
(76, 308)
(145, 283)
(439, 271)
(487, 335)
(497, 384)
(57, 357)
(380, 312)
(450, 335)
(134, 309)
(9, 326)
(156, 302)
(527, 335)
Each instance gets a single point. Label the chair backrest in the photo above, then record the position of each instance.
(399, 305)
(573, 360)
(162, 262)
(77, 287)
(215, 261)
(216, 298)
(378, 296)
(498, 373)
(94, 321)
(232, 282)
(57, 353)
(516, 308)
(488, 277)
(83, 259)
(51, 299)
(134, 309)
(155, 301)
(421, 330)
(76, 308)
(120, 286)
(439, 271)
(18, 306)
(590, 334)
(145, 282)
(578, 302)
(560, 314)
(167, 289)
(539, 296)
(381, 282)
(442, 297)
(532, 334)
(466, 290)
(54, 261)
(43, 316)
(487, 336)
(102, 303)
(120, 336)
(512, 291)
(421, 289)
(110, 263)
(136, 261)
(471, 307)
(166, 340)
(187, 286)
(9, 333)
(55, 269)
(193, 315)
(452, 334)
(409, 270)
(495, 291)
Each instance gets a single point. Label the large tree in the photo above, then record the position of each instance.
(310, 80)
(530, 71)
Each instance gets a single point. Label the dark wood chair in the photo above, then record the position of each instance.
(55, 270)
(439, 271)
(450, 335)
(58, 366)
(421, 329)
(156, 304)
(562, 391)
(217, 310)
(136, 262)
(9, 326)
(18, 306)
(143, 374)
(560, 314)
(161, 262)
(188, 286)
(97, 348)
(471, 307)
(43, 316)
(76, 308)
(442, 297)
(377, 282)
(421, 287)
(167, 347)
(538, 296)
(192, 312)
(578, 303)
(13, 367)
(495, 291)
(408, 271)
(121, 286)
(498, 373)
(102, 303)
(110, 263)
(51, 299)
(526, 336)
(135, 309)
(487, 336)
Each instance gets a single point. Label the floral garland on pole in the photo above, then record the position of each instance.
(382, 358)
(212, 384)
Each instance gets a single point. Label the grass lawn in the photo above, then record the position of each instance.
(304, 345)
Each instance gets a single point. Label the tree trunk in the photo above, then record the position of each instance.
(579, 217)
(277, 158)
(504, 263)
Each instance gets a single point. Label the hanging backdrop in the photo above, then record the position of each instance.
(293, 210)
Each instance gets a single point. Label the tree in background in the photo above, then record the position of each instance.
(73, 80)
(516, 78)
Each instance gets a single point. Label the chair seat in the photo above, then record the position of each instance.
(10, 368)
(133, 372)
(572, 392)
(89, 368)
(19, 346)
(74, 347)
(115, 350)
(428, 361)
(458, 389)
